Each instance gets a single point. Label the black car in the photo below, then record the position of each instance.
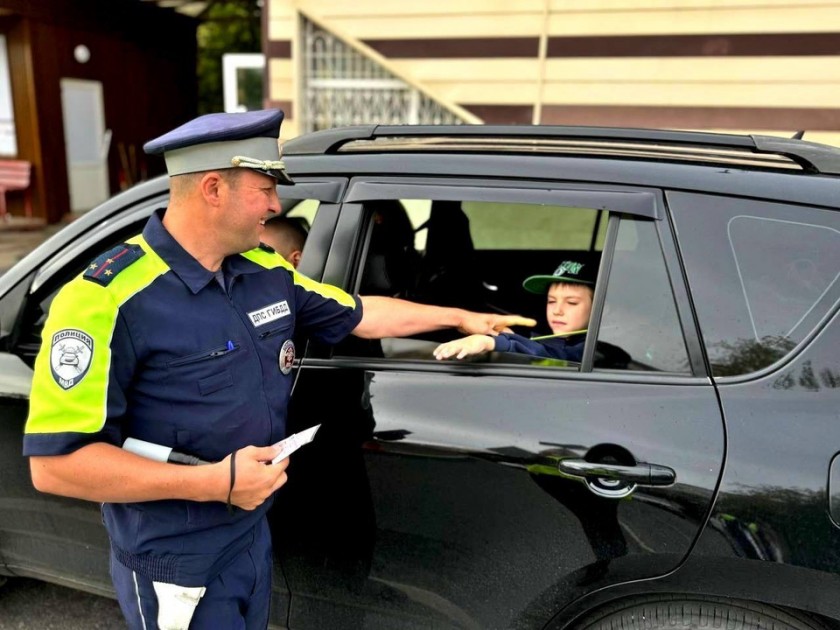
(685, 472)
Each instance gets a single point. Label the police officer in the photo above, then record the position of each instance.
(182, 337)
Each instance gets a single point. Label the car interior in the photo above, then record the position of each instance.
(449, 270)
(431, 257)
(428, 256)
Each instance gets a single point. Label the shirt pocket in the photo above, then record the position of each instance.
(204, 355)
(208, 371)
(283, 329)
(214, 383)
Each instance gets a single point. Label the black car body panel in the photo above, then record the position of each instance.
(440, 528)
(449, 494)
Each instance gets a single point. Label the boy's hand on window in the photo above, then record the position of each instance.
(491, 324)
(460, 348)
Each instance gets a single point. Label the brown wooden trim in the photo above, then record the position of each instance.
(264, 44)
(286, 106)
(265, 16)
(762, 118)
(711, 45)
(476, 47)
(706, 45)
(48, 203)
(278, 49)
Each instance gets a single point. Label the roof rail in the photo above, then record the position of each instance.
(810, 156)
(813, 156)
(327, 140)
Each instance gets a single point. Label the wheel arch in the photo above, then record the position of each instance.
(799, 591)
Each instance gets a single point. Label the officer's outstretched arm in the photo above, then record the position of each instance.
(104, 473)
(391, 317)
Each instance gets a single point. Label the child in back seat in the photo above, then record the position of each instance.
(569, 291)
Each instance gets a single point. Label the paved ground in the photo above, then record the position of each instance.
(19, 237)
(29, 604)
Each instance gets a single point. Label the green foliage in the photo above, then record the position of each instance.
(228, 26)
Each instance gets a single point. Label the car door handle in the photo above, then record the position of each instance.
(641, 474)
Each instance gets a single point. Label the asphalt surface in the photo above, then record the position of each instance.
(19, 237)
(26, 604)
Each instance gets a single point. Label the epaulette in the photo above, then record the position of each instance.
(106, 267)
(267, 248)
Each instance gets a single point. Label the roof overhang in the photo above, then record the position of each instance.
(192, 8)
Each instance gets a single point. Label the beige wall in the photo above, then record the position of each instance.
(768, 66)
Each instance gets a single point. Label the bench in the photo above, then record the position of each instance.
(15, 175)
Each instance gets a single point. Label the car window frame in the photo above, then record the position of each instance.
(638, 202)
(326, 190)
(349, 248)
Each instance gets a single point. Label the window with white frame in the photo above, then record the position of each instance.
(8, 140)
(242, 81)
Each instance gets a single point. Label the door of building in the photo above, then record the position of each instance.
(87, 142)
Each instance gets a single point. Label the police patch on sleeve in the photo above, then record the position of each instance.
(70, 356)
(286, 358)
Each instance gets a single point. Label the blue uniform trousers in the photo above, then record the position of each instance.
(236, 599)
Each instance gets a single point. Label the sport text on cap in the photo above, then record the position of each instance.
(568, 271)
(228, 140)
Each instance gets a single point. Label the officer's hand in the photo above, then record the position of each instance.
(256, 477)
(491, 324)
(460, 348)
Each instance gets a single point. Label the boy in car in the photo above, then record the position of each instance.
(568, 292)
(286, 236)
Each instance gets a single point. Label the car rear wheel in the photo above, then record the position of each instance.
(693, 612)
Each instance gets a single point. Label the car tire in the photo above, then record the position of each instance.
(694, 613)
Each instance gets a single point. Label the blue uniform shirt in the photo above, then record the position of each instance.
(158, 350)
(565, 347)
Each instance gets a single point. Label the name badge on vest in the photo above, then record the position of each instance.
(286, 358)
(270, 313)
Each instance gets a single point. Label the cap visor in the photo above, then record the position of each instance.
(281, 176)
(540, 284)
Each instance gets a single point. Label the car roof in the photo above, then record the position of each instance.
(764, 167)
(756, 150)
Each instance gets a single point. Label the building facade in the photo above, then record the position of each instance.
(741, 66)
(83, 83)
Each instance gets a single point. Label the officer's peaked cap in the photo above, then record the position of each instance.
(225, 140)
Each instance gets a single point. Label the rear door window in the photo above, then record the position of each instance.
(475, 254)
(640, 316)
(517, 226)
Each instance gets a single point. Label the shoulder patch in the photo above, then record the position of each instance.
(106, 267)
(71, 354)
(267, 248)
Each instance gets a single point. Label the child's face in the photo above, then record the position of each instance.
(568, 307)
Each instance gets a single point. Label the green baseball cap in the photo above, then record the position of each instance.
(568, 271)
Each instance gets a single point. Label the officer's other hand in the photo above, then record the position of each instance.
(256, 478)
(492, 324)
